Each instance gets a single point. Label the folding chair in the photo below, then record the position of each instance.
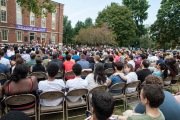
(134, 84)
(68, 74)
(119, 96)
(3, 78)
(84, 73)
(59, 75)
(16, 102)
(39, 75)
(176, 78)
(167, 80)
(98, 88)
(109, 71)
(81, 103)
(51, 95)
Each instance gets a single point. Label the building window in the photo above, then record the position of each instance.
(54, 20)
(3, 3)
(43, 37)
(19, 36)
(4, 35)
(32, 19)
(53, 38)
(18, 14)
(43, 18)
(3, 11)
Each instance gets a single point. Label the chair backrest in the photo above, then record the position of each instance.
(69, 73)
(77, 92)
(2, 76)
(118, 86)
(109, 71)
(51, 95)
(133, 84)
(20, 99)
(177, 77)
(39, 75)
(98, 88)
(85, 73)
(167, 79)
(59, 75)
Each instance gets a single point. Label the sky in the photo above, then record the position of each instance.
(79, 10)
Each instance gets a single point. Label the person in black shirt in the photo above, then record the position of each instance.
(142, 74)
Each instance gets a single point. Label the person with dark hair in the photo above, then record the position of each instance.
(116, 57)
(57, 61)
(19, 83)
(109, 63)
(170, 63)
(75, 83)
(102, 106)
(170, 108)
(4, 60)
(75, 56)
(130, 60)
(128, 77)
(51, 84)
(142, 74)
(161, 59)
(26, 55)
(98, 77)
(15, 115)
(139, 60)
(162, 70)
(32, 61)
(67, 65)
(38, 67)
(113, 79)
(150, 102)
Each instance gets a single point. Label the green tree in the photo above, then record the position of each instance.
(88, 22)
(36, 6)
(67, 30)
(96, 36)
(166, 29)
(79, 25)
(119, 20)
(139, 13)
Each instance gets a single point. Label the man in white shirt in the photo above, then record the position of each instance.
(76, 83)
(10, 52)
(4, 60)
(51, 84)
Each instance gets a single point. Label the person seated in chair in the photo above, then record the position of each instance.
(102, 106)
(51, 84)
(76, 83)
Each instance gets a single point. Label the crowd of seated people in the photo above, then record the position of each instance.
(128, 66)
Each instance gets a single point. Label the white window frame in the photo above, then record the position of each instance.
(44, 36)
(2, 34)
(43, 18)
(18, 14)
(54, 20)
(32, 18)
(21, 36)
(53, 40)
(4, 8)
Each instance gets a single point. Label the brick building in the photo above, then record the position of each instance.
(24, 28)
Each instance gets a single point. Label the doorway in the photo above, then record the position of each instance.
(31, 37)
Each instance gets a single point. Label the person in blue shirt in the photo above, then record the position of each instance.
(113, 79)
(170, 108)
(75, 56)
(162, 70)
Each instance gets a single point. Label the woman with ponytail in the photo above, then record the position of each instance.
(162, 70)
(19, 83)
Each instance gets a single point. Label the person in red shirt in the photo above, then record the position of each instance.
(68, 66)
